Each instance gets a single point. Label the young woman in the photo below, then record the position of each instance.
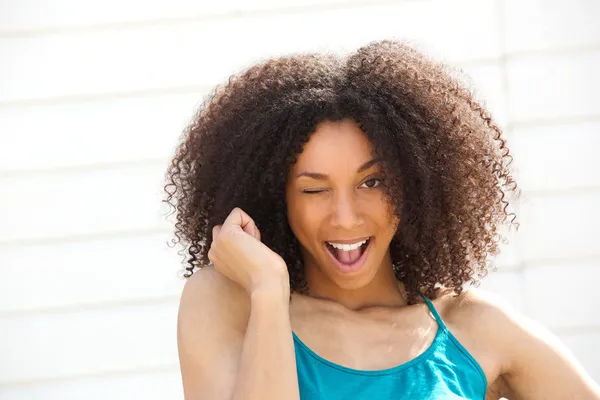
(334, 208)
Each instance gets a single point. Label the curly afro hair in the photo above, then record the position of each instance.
(445, 162)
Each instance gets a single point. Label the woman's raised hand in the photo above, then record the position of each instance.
(237, 252)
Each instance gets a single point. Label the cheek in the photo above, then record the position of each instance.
(304, 218)
(386, 217)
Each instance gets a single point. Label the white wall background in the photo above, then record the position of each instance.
(93, 96)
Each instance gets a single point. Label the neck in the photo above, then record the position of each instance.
(384, 290)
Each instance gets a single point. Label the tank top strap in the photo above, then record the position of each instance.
(434, 312)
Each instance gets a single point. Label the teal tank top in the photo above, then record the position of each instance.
(444, 371)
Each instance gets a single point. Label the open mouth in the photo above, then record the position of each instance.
(349, 257)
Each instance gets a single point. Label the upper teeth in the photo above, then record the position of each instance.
(347, 247)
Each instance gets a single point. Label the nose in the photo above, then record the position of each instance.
(346, 213)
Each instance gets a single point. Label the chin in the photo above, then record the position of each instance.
(352, 283)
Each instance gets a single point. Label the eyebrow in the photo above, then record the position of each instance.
(319, 176)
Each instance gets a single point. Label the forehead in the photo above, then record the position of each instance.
(336, 144)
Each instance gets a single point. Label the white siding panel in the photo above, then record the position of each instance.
(195, 54)
(48, 346)
(84, 133)
(557, 157)
(27, 15)
(560, 226)
(550, 24)
(506, 284)
(64, 274)
(509, 257)
(555, 294)
(148, 386)
(584, 345)
(554, 87)
(82, 202)
(486, 81)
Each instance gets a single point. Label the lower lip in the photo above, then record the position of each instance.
(356, 265)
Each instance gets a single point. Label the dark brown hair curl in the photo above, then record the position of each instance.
(445, 161)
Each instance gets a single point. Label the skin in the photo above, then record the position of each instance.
(222, 309)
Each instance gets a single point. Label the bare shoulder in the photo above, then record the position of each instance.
(208, 293)
(524, 358)
(487, 321)
(481, 322)
(213, 313)
(495, 322)
(478, 307)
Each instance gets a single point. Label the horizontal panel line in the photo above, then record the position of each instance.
(159, 369)
(77, 168)
(558, 51)
(193, 19)
(86, 307)
(201, 90)
(505, 269)
(570, 190)
(525, 264)
(540, 262)
(551, 121)
(576, 330)
(85, 237)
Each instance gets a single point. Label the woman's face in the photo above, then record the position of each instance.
(336, 207)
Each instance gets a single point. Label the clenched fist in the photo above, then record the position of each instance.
(238, 253)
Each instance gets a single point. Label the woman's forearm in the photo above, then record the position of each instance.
(267, 368)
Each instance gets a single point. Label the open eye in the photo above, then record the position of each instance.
(372, 183)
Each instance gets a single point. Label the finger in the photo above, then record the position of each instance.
(216, 230)
(239, 218)
(256, 233)
(251, 229)
(210, 255)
